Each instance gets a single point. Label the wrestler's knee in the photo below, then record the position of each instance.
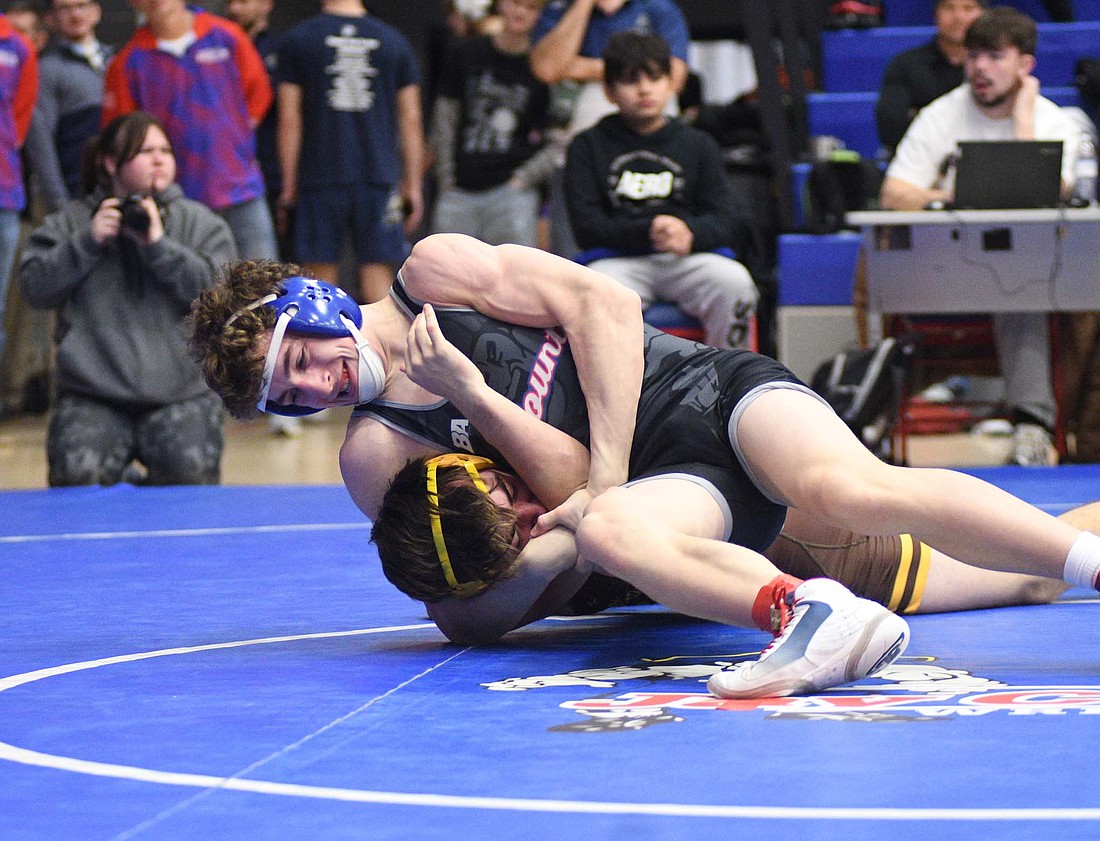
(851, 498)
(604, 531)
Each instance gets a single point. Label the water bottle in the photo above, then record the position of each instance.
(1084, 186)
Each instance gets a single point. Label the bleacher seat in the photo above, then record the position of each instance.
(1060, 47)
(818, 269)
(855, 59)
(850, 116)
(670, 318)
(814, 317)
(919, 12)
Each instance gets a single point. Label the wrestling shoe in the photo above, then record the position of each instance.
(832, 637)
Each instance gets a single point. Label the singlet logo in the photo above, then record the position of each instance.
(460, 435)
(639, 186)
(542, 373)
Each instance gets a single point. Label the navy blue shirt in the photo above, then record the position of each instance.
(350, 70)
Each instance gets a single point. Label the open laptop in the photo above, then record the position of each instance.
(1008, 174)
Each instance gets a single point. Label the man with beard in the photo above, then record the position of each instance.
(998, 101)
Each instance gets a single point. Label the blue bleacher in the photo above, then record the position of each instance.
(850, 115)
(817, 269)
(919, 12)
(855, 59)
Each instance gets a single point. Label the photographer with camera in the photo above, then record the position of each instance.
(121, 266)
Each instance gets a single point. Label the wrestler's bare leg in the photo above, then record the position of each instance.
(952, 585)
(956, 586)
(803, 454)
(664, 536)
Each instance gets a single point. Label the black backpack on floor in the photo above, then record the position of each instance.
(864, 387)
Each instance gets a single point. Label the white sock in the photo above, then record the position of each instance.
(1083, 562)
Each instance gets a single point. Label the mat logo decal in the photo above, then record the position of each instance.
(913, 689)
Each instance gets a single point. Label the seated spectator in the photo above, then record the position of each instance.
(569, 40)
(916, 77)
(122, 266)
(651, 196)
(489, 135)
(999, 101)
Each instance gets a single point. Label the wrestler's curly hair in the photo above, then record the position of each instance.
(477, 531)
(229, 356)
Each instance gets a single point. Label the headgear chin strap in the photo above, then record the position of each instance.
(372, 373)
(463, 589)
(305, 305)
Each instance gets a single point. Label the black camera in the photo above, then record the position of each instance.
(134, 215)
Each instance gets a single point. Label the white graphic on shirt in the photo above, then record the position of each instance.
(351, 71)
(493, 114)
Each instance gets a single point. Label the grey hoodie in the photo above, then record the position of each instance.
(121, 338)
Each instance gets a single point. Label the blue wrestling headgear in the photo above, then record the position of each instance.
(305, 305)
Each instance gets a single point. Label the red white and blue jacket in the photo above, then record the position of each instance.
(210, 100)
(18, 91)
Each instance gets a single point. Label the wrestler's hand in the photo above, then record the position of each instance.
(434, 363)
(567, 515)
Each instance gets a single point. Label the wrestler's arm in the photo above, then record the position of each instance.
(371, 455)
(552, 463)
(602, 320)
(549, 461)
(540, 582)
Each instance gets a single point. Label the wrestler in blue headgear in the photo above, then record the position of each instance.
(305, 305)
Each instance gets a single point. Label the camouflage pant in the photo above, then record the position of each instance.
(92, 442)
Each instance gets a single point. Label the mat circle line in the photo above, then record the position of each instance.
(13, 753)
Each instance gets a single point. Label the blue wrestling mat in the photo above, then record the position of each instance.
(229, 663)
